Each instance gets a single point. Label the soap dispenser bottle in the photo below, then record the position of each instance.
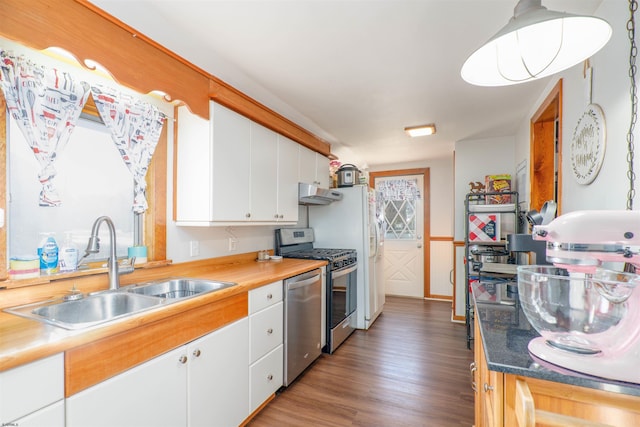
(48, 253)
(68, 254)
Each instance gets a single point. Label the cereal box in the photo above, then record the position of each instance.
(498, 184)
(484, 227)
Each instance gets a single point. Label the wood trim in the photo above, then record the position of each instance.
(250, 108)
(441, 297)
(93, 363)
(86, 32)
(456, 244)
(155, 218)
(441, 238)
(3, 188)
(548, 111)
(426, 214)
(135, 60)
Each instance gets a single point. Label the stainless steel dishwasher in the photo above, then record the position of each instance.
(302, 322)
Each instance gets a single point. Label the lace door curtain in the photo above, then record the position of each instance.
(398, 189)
(46, 104)
(135, 128)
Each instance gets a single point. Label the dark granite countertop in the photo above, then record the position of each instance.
(506, 332)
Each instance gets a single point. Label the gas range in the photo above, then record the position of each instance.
(341, 280)
(298, 243)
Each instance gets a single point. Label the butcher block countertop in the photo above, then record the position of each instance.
(24, 340)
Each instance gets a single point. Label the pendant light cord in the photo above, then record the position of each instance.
(633, 52)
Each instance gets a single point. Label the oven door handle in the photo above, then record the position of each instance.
(340, 273)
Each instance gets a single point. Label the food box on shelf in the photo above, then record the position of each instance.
(498, 184)
(484, 227)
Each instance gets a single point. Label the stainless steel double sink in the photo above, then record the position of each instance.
(81, 312)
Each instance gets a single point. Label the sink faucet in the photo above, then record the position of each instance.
(93, 247)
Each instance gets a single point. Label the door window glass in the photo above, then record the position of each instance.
(399, 198)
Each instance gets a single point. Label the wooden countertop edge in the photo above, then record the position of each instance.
(40, 340)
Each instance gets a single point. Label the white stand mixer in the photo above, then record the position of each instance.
(588, 317)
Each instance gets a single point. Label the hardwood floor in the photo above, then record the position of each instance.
(410, 369)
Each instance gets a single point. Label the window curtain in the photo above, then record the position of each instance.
(46, 104)
(135, 128)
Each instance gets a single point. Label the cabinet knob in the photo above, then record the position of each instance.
(196, 352)
(248, 215)
(270, 377)
(183, 359)
(487, 387)
(269, 331)
(281, 216)
(276, 216)
(269, 296)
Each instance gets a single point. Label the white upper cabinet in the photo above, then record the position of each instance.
(288, 154)
(231, 185)
(264, 174)
(230, 170)
(313, 168)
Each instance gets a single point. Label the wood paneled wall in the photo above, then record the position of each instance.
(134, 60)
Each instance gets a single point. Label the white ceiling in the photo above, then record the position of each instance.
(354, 72)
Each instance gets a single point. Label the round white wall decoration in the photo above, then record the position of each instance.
(588, 145)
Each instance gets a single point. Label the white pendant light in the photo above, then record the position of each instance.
(535, 43)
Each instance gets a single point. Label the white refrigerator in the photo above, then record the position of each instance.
(356, 222)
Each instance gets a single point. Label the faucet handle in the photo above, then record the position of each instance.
(127, 266)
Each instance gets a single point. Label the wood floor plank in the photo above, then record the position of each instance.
(410, 369)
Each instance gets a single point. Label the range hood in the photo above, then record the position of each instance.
(309, 194)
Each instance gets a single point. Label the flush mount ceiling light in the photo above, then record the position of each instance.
(535, 43)
(421, 130)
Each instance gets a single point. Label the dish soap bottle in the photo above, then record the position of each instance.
(68, 255)
(48, 252)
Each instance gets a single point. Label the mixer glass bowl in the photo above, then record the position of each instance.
(578, 312)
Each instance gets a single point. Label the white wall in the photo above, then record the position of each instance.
(474, 160)
(611, 91)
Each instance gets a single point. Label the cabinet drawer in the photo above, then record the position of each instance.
(266, 331)
(266, 377)
(265, 296)
(30, 387)
(51, 416)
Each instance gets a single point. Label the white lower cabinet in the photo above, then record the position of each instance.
(266, 376)
(266, 330)
(33, 394)
(151, 394)
(203, 383)
(218, 377)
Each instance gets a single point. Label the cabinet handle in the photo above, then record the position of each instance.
(196, 352)
(269, 296)
(487, 388)
(473, 368)
(269, 331)
(183, 359)
(270, 377)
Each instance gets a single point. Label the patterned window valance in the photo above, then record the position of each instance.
(135, 128)
(46, 104)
